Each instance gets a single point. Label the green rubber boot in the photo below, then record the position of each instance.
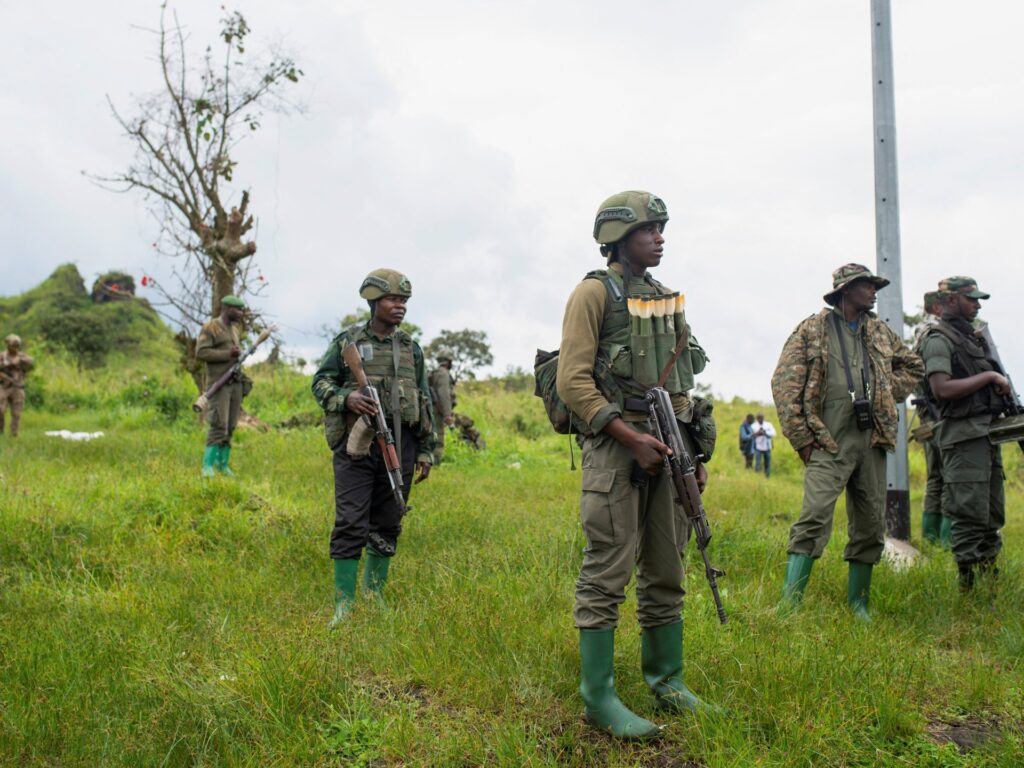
(345, 574)
(798, 570)
(859, 589)
(209, 460)
(661, 659)
(946, 532)
(223, 456)
(931, 523)
(597, 687)
(376, 574)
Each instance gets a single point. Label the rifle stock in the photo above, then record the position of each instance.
(683, 471)
(385, 439)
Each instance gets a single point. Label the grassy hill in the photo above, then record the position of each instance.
(150, 618)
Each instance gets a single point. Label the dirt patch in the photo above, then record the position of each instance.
(966, 734)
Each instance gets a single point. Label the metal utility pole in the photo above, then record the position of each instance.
(887, 239)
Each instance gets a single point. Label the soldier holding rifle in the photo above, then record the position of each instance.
(618, 324)
(218, 347)
(370, 430)
(14, 365)
(966, 381)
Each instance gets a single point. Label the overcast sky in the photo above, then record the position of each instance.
(469, 143)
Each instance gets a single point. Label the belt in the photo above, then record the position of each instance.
(639, 404)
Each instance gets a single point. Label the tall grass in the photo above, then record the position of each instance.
(150, 618)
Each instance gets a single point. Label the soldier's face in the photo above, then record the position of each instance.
(861, 295)
(391, 309)
(644, 246)
(966, 306)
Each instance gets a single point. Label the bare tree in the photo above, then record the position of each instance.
(185, 135)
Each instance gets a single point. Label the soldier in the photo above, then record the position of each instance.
(14, 365)
(626, 524)
(969, 389)
(442, 389)
(838, 380)
(218, 347)
(367, 514)
(935, 526)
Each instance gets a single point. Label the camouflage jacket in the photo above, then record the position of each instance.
(800, 378)
(14, 367)
(442, 388)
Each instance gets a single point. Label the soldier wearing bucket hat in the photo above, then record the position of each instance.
(838, 380)
(367, 516)
(14, 365)
(966, 383)
(218, 347)
(628, 527)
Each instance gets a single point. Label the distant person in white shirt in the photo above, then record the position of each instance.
(763, 434)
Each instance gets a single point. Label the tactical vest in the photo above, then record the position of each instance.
(615, 351)
(379, 365)
(968, 360)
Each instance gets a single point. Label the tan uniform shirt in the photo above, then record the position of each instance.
(14, 367)
(213, 347)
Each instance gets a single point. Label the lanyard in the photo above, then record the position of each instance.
(846, 361)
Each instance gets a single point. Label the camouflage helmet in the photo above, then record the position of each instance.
(385, 282)
(622, 213)
(12, 340)
(444, 354)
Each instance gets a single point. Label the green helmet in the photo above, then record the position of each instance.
(444, 354)
(385, 282)
(622, 213)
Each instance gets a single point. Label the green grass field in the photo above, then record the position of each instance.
(148, 618)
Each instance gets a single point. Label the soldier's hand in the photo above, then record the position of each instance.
(360, 403)
(650, 453)
(805, 452)
(1001, 383)
(422, 471)
(448, 420)
(702, 477)
(235, 352)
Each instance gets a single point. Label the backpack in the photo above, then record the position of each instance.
(545, 371)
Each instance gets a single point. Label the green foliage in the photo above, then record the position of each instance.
(150, 618)
(469, 350)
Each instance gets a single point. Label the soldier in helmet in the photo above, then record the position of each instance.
(14, 365)
(442, 388)
(836, 386)
(970, 390)
(218, 347)
(627, 526)
(367, 515)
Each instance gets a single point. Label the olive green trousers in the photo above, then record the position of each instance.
(628, 527)
(973, 498)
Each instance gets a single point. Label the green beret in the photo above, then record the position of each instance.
(966, 286)
(385, 282)
(232, 301)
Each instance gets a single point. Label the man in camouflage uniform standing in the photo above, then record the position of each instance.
(14, 365)
(970, 390)
(627, 524)
(838, 380)
(935, 526)
(218, 347)
(442, 388)
(367, 515)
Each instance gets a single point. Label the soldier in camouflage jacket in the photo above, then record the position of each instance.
(821, 372)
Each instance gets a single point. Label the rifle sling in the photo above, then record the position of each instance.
(396, 404)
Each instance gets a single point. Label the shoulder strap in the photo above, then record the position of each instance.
(846, 360)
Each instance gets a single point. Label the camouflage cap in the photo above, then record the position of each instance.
(232, 301)
(444, 354)
(385, 282)
(622, 213)
(966, 286)
(846, 274)
(12, 340)
(931, 298)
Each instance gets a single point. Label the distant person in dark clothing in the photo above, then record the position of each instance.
(747, 441)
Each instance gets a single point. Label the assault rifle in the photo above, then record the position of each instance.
(385, 439)
(1009, 427)
(683, 471)
(229, 375)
